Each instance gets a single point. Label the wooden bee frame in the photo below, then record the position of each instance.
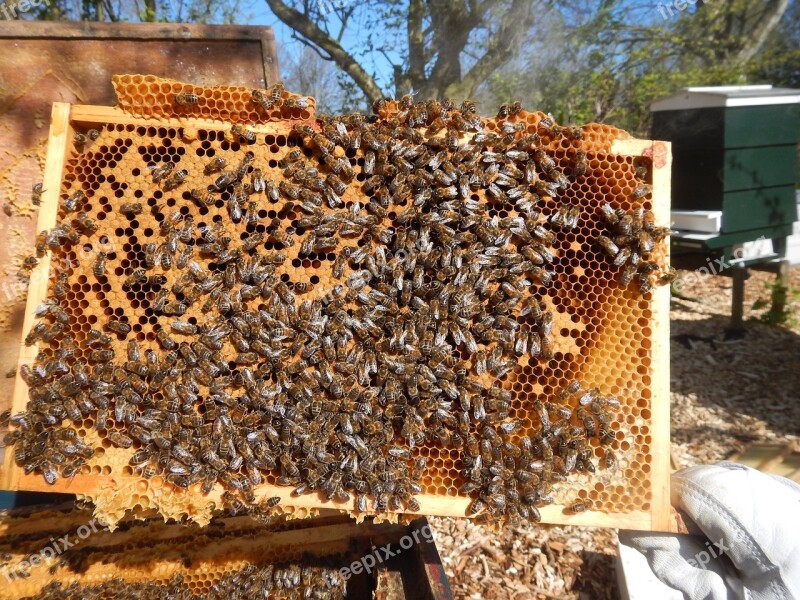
(153, 552)
(626, 351)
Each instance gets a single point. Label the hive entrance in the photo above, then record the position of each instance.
(370, 313)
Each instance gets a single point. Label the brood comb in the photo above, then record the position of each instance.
(425, 311)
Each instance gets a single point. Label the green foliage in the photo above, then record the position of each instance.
(163, 11)
(582, 60)
(620, 55)
(781, 309)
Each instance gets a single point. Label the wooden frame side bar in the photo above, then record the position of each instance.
(60, 135)
(660, 366)
(660, 508)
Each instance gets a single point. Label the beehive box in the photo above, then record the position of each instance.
(605, 335)
(48, 552)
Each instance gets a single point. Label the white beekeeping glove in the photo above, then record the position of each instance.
(751, 547)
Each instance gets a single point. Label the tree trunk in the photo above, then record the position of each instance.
(311, 31)
(149, 11)
(773, 14)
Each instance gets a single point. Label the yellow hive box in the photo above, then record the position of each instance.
(605, 335)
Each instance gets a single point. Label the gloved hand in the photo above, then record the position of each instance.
(751, 524)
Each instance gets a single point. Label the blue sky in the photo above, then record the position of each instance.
(375, 62)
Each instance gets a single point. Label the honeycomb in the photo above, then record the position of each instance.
(602, 331)
(78, 558)
(153, 97)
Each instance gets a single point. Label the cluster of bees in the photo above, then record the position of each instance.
(436, 299)
(273, 97)
(288, 581)
(634, 236)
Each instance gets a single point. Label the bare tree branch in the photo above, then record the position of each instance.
(308, 44)
(344, 17)
(516, 21)
(312, 32)
(416, 44)
(452, 25)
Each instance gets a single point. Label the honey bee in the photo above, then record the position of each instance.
(183, 327)
(224, 180)
(476, 506)
(86, 224)
(579, 170)
(234, 208)
(545, 162)
(101, 356)
(641, 191)
(99, 268)
(669, 276)
(175, 179)
(607, 245)
(580, 505)
(645, 285)
(29, 263)
(36, 196)
(202, 198)
(276, 93)
(120, 327)
(120, 440)
(300, 102)
(186, 99)
(61, 286)
(41, 244)
(71, 203)
(131, 209)
(272, 190)
(215, 165)
(567, 217)
(623, 256)
(159, 173)
(258, 182)
(261, 99)
(246, 134)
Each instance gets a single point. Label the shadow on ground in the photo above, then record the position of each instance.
(751, 384)
(596, 577)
